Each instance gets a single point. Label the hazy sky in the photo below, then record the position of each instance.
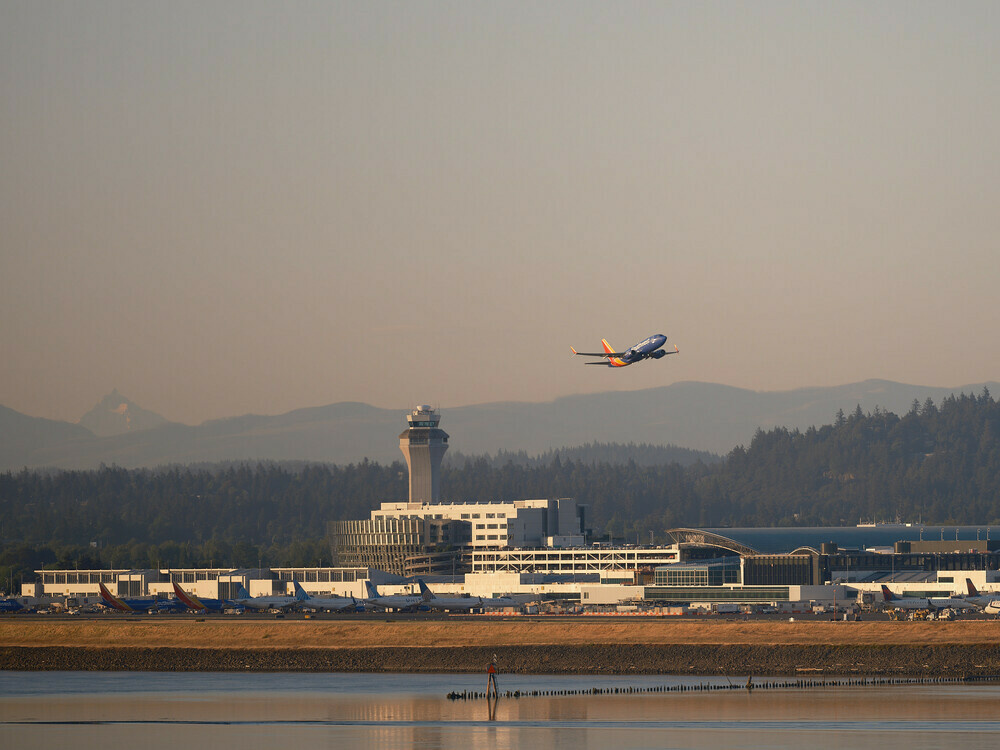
(232, 207)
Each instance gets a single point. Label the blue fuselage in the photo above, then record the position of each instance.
(644, 349)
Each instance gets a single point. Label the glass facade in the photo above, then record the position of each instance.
(707, 573)
(781, 570)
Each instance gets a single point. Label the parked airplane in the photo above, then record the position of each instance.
(10, 605)
(500, 602)
(397, 601)
(465, 603)
(202, 604)
(244, 599)
(334, 604)
(146, 604)
(954, 602)
(974, 597)
(647, 349)
(904, 602)
(992, 607)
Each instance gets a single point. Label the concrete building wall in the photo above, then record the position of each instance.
(607, 594)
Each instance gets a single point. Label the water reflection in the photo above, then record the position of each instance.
(321, 711)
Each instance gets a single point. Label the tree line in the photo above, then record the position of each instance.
(939, 464)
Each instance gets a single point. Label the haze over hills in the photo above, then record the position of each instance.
(116, 415)
(701, 416)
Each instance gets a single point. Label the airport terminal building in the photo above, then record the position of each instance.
(539, 547)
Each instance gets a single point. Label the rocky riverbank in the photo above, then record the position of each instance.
(909, 660)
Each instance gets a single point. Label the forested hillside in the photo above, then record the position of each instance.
(642, 454)
(939, 464)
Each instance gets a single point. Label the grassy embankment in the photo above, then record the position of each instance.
(224, 633)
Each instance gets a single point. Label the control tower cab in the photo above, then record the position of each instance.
(423, 444)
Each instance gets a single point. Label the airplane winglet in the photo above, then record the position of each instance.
(572, 350)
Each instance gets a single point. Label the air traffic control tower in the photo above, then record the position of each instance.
(424, 445)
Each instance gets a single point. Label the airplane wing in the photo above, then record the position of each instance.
(597, 354)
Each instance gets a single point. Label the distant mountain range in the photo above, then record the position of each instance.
(700, 416)
(116, 415)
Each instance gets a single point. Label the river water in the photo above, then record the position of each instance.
(358, 711)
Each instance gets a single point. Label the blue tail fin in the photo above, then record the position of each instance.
(300, 593)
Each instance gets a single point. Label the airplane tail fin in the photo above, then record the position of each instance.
(113, 601)
(973, 591)
(242, 593)
(886, 594)
(300, 593)
(188, 600)
(425, 592)
(607, 347)
(372, 591)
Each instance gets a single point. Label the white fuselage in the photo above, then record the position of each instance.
(334, 604)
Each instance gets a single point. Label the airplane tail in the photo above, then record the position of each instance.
(425, 592)
(300, 593)
(188, 600)
(242, 593)
(886, 594)
(113, 601)
(607, 347)
(372, 591)
(973, 591)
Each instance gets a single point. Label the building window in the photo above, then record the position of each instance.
(491, 515)
(492, 536)
(480, 537)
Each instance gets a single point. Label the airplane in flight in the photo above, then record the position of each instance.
(333, 604)
(646, 349)
(138, 605)
(409, 602)
(202, 604)
(463, 603)
(244, 599)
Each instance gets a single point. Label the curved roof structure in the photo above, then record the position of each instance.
(710, 539)
(750, 541)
